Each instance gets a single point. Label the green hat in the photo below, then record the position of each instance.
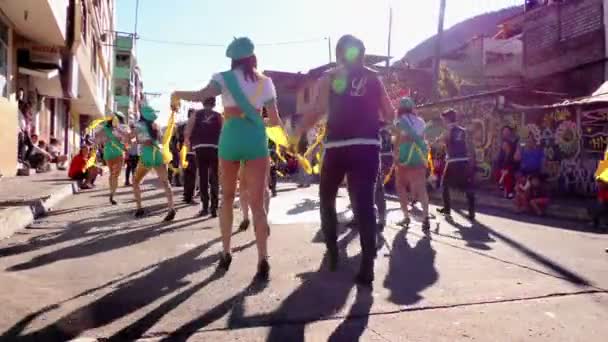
(240, 48)
(407, 103)
(148, 113)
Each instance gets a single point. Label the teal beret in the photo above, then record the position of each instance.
(240, 48)
(148, 113)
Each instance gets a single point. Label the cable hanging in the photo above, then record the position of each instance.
(173, 42)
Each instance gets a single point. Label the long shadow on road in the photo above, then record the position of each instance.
(411, 269)
(103, 242)
(166, 277)
(320, 295)
(558, 270)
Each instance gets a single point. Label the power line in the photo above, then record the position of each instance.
(174, 42)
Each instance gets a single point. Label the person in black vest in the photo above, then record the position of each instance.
(190, 171)
(203, 134)
(459, 170)
(353, 96)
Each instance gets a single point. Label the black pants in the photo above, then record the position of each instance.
(379, 195)
(130, 169)
(360, 165)
(206, 162)
(24, 146)
(273, 180)
(458, 175)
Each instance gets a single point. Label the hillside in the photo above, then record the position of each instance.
(457, 35)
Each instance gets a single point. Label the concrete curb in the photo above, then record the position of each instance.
(13, 219)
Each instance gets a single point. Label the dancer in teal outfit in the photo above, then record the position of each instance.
(148, 136)
(245, 92)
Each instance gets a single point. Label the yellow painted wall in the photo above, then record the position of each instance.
(8, 138)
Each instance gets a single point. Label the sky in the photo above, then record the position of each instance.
(272, 24)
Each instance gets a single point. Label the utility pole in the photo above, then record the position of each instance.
(437, 59)
(136, 17)
(329, 47)
(390, 32)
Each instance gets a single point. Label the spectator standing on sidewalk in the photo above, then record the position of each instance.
(24, 142)
(202, 133)
(506, 164)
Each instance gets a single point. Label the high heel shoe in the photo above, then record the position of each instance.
(263, 273)
(170, 215)
(112, 201)
(244, 225)
(139, 213)
(225, 261)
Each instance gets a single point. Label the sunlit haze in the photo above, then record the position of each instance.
(270, 23)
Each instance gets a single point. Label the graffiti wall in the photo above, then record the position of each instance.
(480, 118)
(568, 168)
(572, 144)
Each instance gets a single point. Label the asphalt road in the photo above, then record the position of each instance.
(91, 270)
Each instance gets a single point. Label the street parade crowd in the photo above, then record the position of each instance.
(362, 139)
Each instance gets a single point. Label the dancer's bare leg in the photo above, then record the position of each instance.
(115, 166)
(401, 183)
(228, 177)
(140, 173)
(163, 177)
(256, 173)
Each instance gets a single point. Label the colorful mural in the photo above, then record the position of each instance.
(594, 127)
(571, 151)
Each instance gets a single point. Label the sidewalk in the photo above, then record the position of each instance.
(23, 199)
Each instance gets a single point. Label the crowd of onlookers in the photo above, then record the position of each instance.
(518, 171)
(34, 153)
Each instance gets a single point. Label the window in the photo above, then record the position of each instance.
(122, 61)
(306, 95)
(3, 59)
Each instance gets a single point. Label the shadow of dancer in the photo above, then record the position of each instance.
(353, 327)
(128, 297)
(411, 269)
(104, 242)
(476, 236)
(137, 329)
(304, 206)
(321, 295)
(234, 305)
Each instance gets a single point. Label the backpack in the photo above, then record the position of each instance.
(412, 153)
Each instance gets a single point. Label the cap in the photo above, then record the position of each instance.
(240, 48)
(148, 113)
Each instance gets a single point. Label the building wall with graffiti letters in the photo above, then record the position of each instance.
(573, 139)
